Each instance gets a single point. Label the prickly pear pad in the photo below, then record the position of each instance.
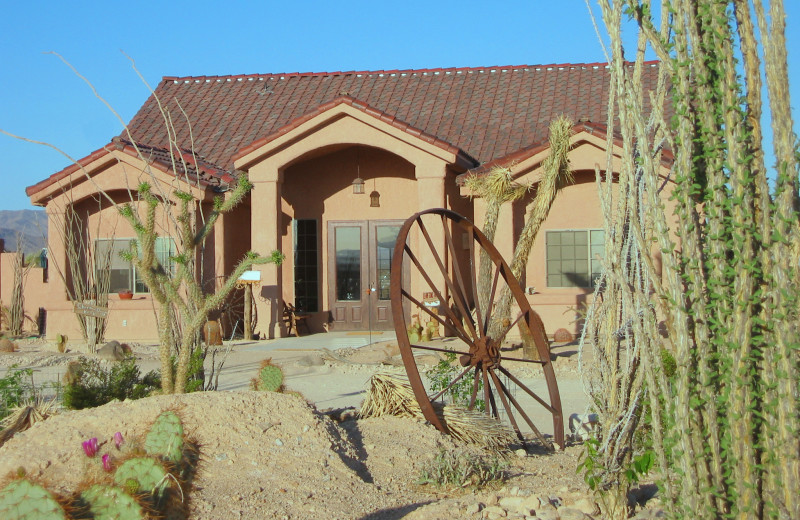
(112, 503)
(148, 473)
(165, 438)
(270, 378)
(24, 500)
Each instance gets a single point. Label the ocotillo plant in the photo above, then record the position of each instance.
(726, 428)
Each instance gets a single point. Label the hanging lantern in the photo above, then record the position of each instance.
(375, 200)
(358, 185)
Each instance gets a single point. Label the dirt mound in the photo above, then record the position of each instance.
(264, 455)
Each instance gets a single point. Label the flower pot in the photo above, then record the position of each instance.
(125, 295)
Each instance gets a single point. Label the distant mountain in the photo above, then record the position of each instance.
(30, 222)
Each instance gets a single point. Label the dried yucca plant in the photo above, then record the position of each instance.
(391, 394)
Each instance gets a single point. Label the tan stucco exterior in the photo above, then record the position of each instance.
(306, 172)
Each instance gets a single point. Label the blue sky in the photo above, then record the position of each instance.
(42, 99)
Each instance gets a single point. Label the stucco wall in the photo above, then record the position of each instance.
(321, 188)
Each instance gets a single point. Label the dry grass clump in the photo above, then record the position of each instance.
(391, 394)
(23, 417)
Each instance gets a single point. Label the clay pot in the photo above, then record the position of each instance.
(125, 295)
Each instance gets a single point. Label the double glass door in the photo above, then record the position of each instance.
(359, 273)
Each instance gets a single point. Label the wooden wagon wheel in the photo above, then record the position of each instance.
(478, 341)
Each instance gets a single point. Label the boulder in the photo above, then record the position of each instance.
(113, 351)
(6, 345)
(563, 336)
(212, 333)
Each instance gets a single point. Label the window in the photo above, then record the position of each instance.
(306, 285)
(572, 257)
(124, 275)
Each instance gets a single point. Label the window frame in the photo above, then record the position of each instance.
(311, 286)
(134, 282)
(590, 259)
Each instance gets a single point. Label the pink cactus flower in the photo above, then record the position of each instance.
(90, 447)
(118, 440)
(107, 462)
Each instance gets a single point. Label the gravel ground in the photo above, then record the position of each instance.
(267, 455)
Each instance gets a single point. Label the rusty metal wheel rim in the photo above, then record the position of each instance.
(481, 354)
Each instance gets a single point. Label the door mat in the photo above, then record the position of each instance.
(362, 333)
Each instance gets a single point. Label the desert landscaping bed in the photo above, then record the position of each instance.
(270, 455)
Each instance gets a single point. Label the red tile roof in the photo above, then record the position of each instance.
(185, 163)
(599, 129)
(487, 112)
(360, 105)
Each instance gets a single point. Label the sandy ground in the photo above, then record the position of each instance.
(266, 455)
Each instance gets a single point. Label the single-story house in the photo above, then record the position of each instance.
(338, 161)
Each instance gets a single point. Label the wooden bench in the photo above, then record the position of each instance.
(294, 319)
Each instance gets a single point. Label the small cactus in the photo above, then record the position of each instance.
(142, 475)
(165, 438)
(111, 503)
(270, 377)
(24, 500)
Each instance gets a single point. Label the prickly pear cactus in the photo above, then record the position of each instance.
(24, 500)
(142, 475)
(270, 378)
(112, 503)
(165, 438)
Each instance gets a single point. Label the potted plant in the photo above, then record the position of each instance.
(125, 294)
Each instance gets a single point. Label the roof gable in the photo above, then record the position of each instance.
(486, 113)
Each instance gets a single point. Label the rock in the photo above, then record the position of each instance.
(491, 500)
(112, 351)
(312, 360)
(587, 505)
(529, 503)
(497, 511)
(212, 333)
(6, 345)
(563, 336)
(570, 513)
(547, 514)
(473, 509)
(513, 504)
(521, 453)
(555, 501)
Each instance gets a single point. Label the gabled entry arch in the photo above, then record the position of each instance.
(316, 155)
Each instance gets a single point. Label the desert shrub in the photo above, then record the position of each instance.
(14, 389)
(460, 468)
(459, 394)
(95, 385)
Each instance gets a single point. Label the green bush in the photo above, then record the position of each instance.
(14, 389)
(459, 394)
(461, 468)
(95, 385)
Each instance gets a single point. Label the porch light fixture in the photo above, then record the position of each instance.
(358, 182)
(374, 200)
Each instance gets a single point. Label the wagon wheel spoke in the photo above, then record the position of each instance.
(490, 302)
(504, 391)
(448, 282)
(474, 274)
(450, 274)
(458, 331)
(456, 322)
(475, 386)
(460, 296)
(527, 390)
(501, 391)
(489, 395)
